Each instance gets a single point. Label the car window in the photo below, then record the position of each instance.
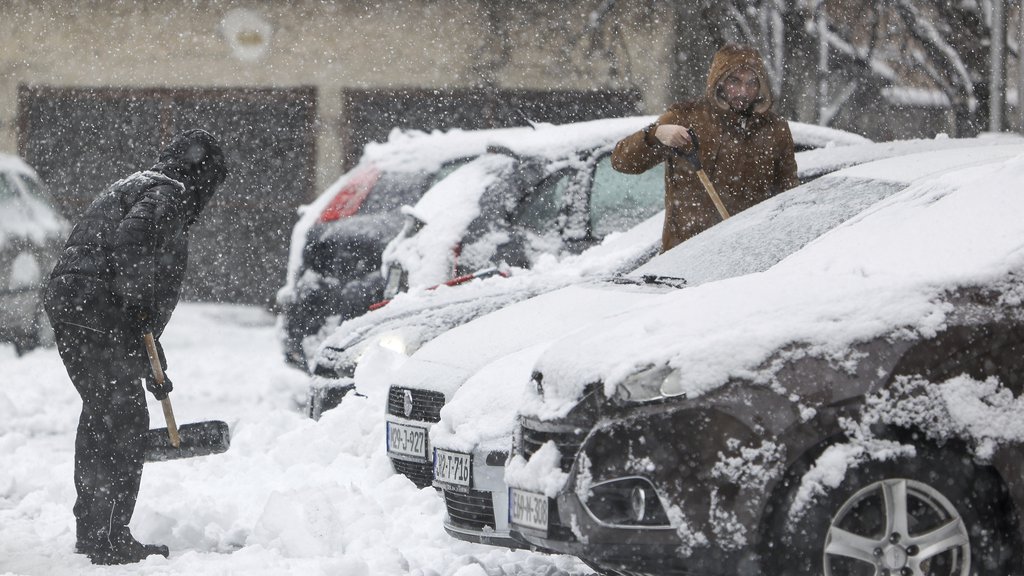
(447, 169)
(35, 188)
(540, 209)
(7, 190)
(396, 189)
(620, 201)
(759, 237)
(393, 190)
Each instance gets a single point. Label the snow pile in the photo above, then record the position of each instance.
(291, 496)
(541, 473)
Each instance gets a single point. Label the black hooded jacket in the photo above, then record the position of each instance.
(123, 264)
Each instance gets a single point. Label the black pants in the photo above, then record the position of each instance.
(105, 367)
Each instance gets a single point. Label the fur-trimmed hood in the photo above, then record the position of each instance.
(729, 58)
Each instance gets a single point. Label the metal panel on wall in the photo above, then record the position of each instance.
(82, 140)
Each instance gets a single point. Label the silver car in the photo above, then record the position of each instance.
(31, 232)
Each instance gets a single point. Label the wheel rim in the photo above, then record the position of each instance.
(897, 527)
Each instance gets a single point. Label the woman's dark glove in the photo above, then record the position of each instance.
(159, 392)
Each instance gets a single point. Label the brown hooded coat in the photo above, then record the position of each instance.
(749, 158)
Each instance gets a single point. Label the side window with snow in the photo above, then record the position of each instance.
(620, 201)
(7, 190)
(539, 211)
(35, 188)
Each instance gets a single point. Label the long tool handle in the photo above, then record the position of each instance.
(158, 374)
(713, 193)
(694, 158)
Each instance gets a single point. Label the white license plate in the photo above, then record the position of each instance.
(528, 509)
(407, 440)
(453, 467)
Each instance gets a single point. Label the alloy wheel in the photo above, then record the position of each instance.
(897, 527)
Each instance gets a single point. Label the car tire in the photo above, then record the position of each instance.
(942, 487)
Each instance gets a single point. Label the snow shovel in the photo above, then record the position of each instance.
(694, 158)
(172, 442)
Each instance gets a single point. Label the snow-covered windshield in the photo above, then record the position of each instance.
(765, 234)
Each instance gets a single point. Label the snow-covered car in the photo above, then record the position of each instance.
(412, 319)
(31, 233)
(854, 409)
(415, 318)
(477, 420)
(335, 255)
(558, 193)
(549, 192)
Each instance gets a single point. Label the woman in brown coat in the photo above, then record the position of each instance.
(745, 148)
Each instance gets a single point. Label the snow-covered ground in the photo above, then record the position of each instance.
(291, 496)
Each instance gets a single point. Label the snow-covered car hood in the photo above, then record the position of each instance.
(444, 363)
(415, 317)
(814, 163)
(481, 416)
(813, 136)
(884, 271)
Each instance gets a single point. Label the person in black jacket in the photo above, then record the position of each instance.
(118, 278)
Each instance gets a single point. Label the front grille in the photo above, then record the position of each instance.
(421, 473)
(426, 404)
(473, 510)
(567, 441)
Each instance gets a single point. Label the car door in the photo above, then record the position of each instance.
(606, 201)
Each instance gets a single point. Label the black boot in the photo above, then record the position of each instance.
(125, 549)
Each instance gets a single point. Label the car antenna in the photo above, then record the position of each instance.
(521, 114)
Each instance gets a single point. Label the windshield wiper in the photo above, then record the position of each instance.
(648, 279)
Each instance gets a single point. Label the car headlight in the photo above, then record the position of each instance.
(626, 502)
(393, 342)
(644, 385)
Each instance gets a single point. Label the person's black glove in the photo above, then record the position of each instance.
(159, 392)
(142, 319)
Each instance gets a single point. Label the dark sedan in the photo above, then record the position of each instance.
(855, 409)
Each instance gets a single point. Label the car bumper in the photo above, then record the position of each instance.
(479, 513)
(635, 549)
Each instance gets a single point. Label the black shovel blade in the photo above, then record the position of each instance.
(197, 439)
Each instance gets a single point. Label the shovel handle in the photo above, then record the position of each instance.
(172, 426)
(694, 159)
(158, 375)
(713, 194)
